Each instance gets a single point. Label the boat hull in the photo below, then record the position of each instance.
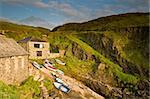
(61, 87)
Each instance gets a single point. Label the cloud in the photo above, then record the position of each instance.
(35, 3)
(105, 12)
(40, 4)
(134, 2)
(82, 12)
(65, 7)
(118, 6)
(134, 5)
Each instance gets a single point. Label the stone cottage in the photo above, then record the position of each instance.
(38, 48)
(13, 61)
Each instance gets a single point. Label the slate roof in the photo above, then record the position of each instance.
(25, 40)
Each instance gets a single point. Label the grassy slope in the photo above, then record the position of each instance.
(132, 55)
(24, 91)
(116, 69)
(126, 48)
(74, 65)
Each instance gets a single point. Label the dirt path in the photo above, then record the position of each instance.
(44, 91)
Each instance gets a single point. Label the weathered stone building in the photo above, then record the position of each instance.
(38, 49)
(13, 61)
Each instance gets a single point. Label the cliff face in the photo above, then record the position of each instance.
(101, 79)
(137, 40)
(78, 52)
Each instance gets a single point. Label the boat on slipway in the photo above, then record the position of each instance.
(38, 66)
(59, 84)
(42, 68)
(60, 62)
(62, 87)
(49, 66)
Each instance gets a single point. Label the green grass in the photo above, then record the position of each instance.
(8, 92)
(39, 61)
(48, 84)
(58, 40)
(131, 54)
(29, 89)
(29, 86)
(74, 66)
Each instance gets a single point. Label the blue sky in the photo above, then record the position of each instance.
(57, 12)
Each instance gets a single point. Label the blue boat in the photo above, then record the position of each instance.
(60, 81)
(61, 87)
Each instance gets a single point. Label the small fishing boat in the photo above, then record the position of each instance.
(48, 62)
(60, 81)
(60, 62)
(35, 64)
(61, 87)
(54, 74)
(49, 66)
(60, 72)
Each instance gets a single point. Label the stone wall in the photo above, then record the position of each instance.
(54, 55)
(13, 70)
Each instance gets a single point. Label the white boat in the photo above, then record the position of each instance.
(60, 72)
(49, 66)
(60, 81)
(61, 87)
(60, 62)
(38, 66)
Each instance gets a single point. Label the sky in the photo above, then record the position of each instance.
(58, 12)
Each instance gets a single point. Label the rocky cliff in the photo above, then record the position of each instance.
(102, 79)
(137, 40)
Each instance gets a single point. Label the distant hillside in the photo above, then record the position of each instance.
(36, 21)
(17, 31)
(108, 23)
